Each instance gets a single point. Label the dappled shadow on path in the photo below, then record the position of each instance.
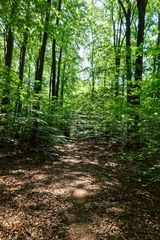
(84, 194)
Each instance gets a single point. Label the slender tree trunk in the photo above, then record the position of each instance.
(118, 41)
(59, 72)
(63, 84)
(10, 43)
(40, 60)
(133, 96)
(40, 65)
(39, 74)
(53, 70)
(4, 43)
(158, 45)
(128, 53)
(8, 63)
(141, 5)
(92, 73)
(127, 13)
(54, 77)
(22, 58)
(117, 73)
(28, 107)
(157, 62)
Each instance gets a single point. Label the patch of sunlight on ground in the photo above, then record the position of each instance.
(115, 210)
(13, 221)
(39, 176)
(71, 160)
(111, 164)
(79, 187)
(79, 193)
(80, 232)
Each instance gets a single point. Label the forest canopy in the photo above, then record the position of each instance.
(80, 119)
(86, 69)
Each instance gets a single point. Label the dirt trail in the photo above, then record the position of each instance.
(82, 194)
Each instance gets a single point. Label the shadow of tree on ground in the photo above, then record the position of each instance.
(84, 194)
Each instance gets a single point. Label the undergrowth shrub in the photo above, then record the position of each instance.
(18, 129)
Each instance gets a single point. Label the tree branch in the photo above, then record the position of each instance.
(124, 10)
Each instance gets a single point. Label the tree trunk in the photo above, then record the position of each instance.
(59, 72)
(158, 45)
(40, 60)
(141, 5)
(134, 130)
(117, 73)
(157, 60)
(92, 73)
(21, 70)
(127, 13)
(53, 70)
(8, 60)
(39, 74)
(118, 41)
(62, 85)
(128, 53)
(22, 58)
(8, 63)
(54, 75)
(10, 43)
(4, 42)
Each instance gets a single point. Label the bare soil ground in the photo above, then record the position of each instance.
(83, 193)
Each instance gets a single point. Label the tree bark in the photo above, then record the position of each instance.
(157, 60)
(92, 73)
(128, 53)
(53, 70)
(59, 72)
(8, 59)
(22, 58)
(117, 73)
(127, 14)
(158, 44)
(134, 130)
(8, 64)
(10, 43)
(39, 74)
(62, 85)
(54, 77)
(118, 41)
(40, 59)
(141, 5)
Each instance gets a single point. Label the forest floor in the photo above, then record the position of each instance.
(82, 192)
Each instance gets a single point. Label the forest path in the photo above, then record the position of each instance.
(83, 194)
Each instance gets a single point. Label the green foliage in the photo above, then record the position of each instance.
(102, 117)
(18, 129)
(91, 35)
